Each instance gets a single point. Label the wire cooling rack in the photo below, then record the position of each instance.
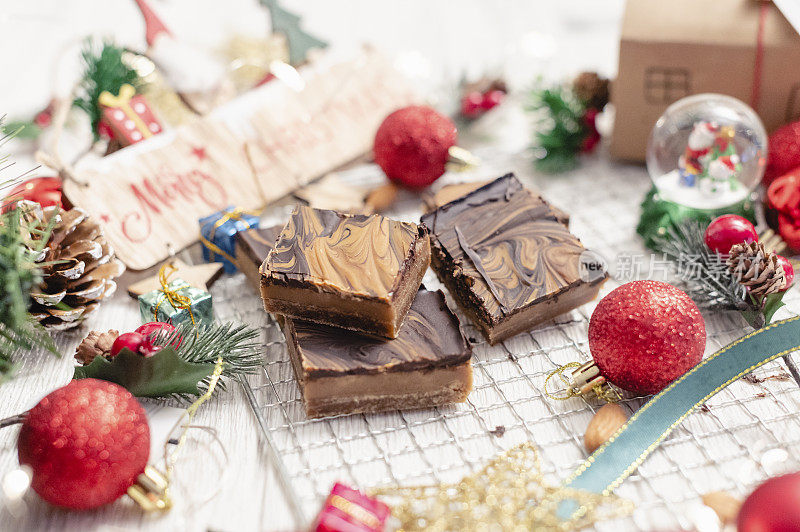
(746, 433)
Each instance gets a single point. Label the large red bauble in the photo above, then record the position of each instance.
(86, 444)
(773, 507)
(784, 152)
(645, 334)
(728, 230)
(412, 143)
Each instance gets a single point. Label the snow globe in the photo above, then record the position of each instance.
(706, 154)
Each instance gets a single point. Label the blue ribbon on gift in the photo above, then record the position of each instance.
(614, 461)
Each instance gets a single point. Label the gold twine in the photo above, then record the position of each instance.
(170, 459)
(235, 214)
(177, 300)
(603, 391)
(509, 493)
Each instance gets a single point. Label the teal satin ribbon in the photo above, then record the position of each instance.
(611, 463)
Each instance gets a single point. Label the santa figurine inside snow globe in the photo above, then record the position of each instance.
(706, 155)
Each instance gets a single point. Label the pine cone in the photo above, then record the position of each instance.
(756, 269)
(96, 344)
(78, 266)
(592, 89)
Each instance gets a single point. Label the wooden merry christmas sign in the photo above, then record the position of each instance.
(246, 153)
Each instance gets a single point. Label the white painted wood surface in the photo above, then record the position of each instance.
(522, 39)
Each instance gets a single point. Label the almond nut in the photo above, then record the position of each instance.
(725, 505)
(381, 198)
(603, 425)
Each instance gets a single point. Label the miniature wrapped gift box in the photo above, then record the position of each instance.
(178, 303)
(218, 235)
(349, 510)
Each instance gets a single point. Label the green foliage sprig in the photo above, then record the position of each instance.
(559, 128)
(19, 274)
(705, 276)
(104, 70)
(183, 367)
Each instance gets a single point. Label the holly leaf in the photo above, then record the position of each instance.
(771, 305)
(160, 375)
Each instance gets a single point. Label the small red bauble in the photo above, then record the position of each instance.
(411, 145)
(131, 340)
(492, 99)
(645, 334)
(728, 230)
(784, 152)
(86, 444)
(471, 104)
(788, 270)
(46, 191)
(773, 507)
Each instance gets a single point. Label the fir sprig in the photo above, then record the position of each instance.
(705, 276)
(19, 274)
(236, 343)
(559, 128)
(704, 273)
(104, 70)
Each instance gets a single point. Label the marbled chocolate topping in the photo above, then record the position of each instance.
(357, 254)
(430, 337)
(258, 242)
(510, 244)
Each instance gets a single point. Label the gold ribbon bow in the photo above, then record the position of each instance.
(177, 300)
(123, 103)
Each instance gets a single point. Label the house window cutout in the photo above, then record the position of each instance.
(793, 105)
(663, 85)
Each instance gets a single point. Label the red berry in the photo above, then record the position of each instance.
(788, 270)
(153, 328)
(728, 230)
(412, 144)
(645, 334)
(86, 444)
(492, 99)
(131, 340)
(471, 104)
(149, 350)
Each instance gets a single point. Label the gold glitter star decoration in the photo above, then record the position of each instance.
(509, 493)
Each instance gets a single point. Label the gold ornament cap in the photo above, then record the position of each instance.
(150, 490)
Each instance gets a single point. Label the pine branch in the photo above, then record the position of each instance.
(19, 274)
(237, 344)
(559, 128)
(703, 273)
(104, 70)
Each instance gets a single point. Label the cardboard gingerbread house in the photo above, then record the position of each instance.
(671, 49)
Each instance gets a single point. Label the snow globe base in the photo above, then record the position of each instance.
(658, 214)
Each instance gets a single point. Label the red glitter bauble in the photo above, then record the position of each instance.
(412, 143)
(784, 152)
(645, 334)
(774, 506)
(86, 443)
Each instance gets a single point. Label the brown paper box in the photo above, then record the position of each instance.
(671, 49)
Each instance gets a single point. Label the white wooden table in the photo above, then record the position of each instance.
(752, 428)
